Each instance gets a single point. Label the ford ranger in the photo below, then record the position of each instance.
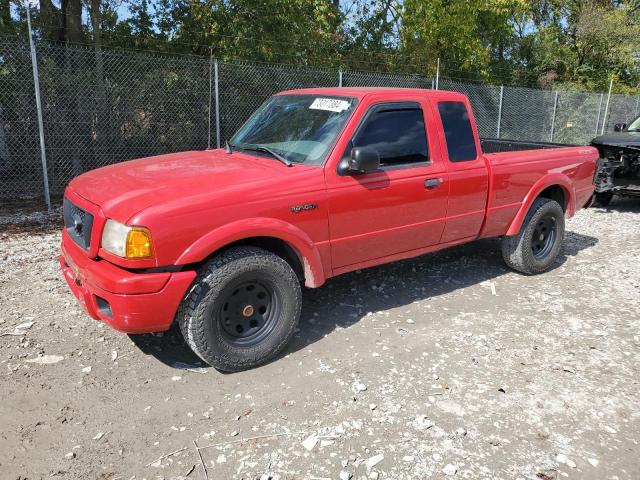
(317, 183)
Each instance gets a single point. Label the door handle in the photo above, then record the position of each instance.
(432, 183)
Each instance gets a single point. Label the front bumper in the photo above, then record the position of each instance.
(129, 302)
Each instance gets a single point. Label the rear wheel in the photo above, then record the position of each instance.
(242, 309)
(537, 245)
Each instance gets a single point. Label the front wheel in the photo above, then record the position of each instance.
(537, 245)
(242, 310)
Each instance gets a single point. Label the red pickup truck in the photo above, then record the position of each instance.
(318, 182)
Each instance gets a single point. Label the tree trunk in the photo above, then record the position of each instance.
(101, 123)
(77, 132)
(72, 24)
(5, 15)
(51, 19)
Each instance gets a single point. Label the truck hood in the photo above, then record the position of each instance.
(124, 189)
(620, 139)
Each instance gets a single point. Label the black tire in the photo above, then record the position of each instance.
(602, 199)
(224, 333)
(534, 249)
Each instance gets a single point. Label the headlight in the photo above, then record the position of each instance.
(125, 241)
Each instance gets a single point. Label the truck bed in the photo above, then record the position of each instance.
(497, 145)
(516, 171)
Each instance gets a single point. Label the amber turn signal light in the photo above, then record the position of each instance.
(138, 244)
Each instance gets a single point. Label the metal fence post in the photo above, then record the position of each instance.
(606, 108)
(553, 118)
(36, 87)
(635, 114)
(599, 111)
(340, 78)
(217, 90)
(500, 111)
(438, 74)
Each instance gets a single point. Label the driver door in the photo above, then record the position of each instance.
(400, 207)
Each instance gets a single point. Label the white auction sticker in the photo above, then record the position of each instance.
(330, 104)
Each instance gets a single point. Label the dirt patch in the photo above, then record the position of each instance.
(30, 219)
(448, 365)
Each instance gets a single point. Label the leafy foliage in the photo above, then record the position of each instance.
(583, 43)
(548, 43)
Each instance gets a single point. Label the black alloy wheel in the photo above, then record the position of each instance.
(544, 237)
(248, 313)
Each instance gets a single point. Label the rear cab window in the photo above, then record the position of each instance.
(461, 144)
(397, 132)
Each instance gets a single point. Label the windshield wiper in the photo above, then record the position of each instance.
(261, 148)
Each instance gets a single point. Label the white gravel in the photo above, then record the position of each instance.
(448, 365)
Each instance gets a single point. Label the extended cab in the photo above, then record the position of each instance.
(317, 182)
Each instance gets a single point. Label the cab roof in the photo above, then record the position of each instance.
(391, 92)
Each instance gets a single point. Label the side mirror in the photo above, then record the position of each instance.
(618, 127)
(361, 160)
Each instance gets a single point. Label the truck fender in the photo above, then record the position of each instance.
(260, 227)
(547, 181)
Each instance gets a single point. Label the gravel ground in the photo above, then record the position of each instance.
(448, 365)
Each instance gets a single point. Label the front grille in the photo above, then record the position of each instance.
(78, 223)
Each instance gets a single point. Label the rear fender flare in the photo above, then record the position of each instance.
(547, 181)
(260, 227)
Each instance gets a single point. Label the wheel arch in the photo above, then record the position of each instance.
(556, 187)
(557, 193)
(273, 235)
(276, 246)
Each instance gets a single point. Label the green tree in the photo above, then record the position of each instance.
(582, 43)
(274, 31)
(371, 34)
(466, 35)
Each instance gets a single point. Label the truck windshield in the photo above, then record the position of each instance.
(300, 128)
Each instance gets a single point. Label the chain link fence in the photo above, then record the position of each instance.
(244, 87)
(372, 79)
(102, 106)
(20, 167)
(485, 100)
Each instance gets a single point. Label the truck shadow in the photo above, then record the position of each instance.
(345, 300)
(622, 205)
